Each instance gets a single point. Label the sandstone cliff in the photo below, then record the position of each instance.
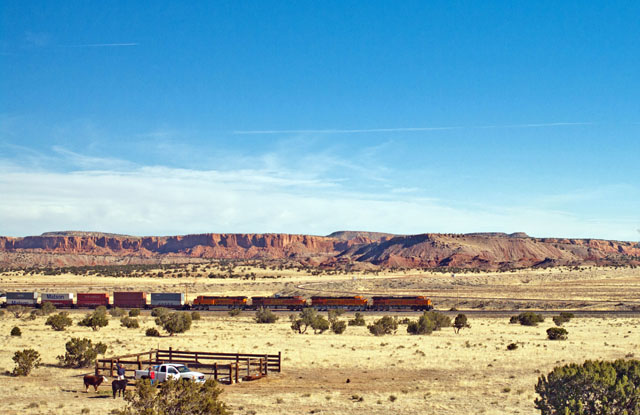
(478, 250)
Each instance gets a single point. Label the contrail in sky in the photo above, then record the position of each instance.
(100, 45)
(408, 129)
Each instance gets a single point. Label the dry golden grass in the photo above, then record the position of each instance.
(583, 289)
(467, 373)
(443, 373)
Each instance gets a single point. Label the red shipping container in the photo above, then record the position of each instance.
(92, 299)
(130, 299)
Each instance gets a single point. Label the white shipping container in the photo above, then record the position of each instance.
(55, 297)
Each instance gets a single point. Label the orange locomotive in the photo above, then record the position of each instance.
(402, 303)
(357, 302)
(288, 303)
(210, 302)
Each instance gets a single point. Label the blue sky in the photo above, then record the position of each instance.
(309, 117)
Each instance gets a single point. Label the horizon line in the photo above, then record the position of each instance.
(70, 233)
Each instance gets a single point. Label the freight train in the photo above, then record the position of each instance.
(138, 299)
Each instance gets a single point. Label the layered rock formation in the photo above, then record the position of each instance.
(479, 250)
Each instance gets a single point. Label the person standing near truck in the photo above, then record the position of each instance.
(121, 371)
(152, 375)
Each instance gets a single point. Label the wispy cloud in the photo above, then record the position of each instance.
(43, 40)
(38, 39)
(293, 187)
(346, 131)
(100, 45)
(163, 200)
(85, 162)
(410, 129)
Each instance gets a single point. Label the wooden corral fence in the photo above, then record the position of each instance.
(223, 367)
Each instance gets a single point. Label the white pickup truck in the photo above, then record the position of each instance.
(170, 371)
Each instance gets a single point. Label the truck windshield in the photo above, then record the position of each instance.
(182, 369)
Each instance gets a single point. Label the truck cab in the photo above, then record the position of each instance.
(170, 371)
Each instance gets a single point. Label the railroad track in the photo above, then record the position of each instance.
(321, 287)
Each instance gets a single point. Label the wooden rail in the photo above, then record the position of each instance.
(223, 367)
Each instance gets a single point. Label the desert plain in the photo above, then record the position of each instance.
(356, 372)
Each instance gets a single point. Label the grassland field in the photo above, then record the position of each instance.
(445, 373)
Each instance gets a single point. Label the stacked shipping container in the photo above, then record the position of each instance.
(130, 299)
(172, 300)
(22, 298)
(58, 300)
(92, 300)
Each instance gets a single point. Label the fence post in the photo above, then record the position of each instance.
(236, 373)
(139, 363)
(266, 363)
(230, 373)
(97, 371)
(170, 354)
(111, 370)
(215, 371)
(248, 367)
(279, 362)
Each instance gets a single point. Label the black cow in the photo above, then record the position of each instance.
(119, 387)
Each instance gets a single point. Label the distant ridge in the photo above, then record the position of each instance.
(83, 233)
(350, 235)
(486, 250)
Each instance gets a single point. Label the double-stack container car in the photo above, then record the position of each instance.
(63, 300)
(357, 302)
(130, 299)
(22, 298)
(401, 303)
(209, 302)
(138, 299)
(285, 303)
(169, 300)
(92, 300)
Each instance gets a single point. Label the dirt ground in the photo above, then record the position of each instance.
(447, 373)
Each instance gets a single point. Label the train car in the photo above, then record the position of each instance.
(209, 302)
(170, 300)
(348, 303)
(402, 303)
(22, 298)
(59, 300)
(130, 299)
(92, 300)
(286, 303)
